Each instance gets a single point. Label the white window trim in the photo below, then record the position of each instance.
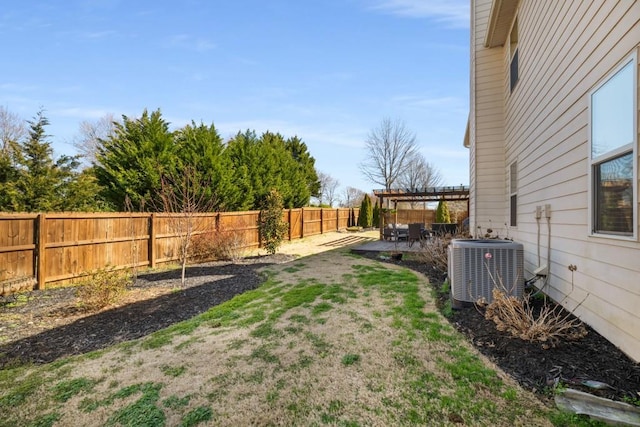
(611, 154)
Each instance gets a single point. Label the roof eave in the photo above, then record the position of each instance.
(466, 142)
(502, 14)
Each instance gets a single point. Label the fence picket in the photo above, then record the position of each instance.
(58, 247)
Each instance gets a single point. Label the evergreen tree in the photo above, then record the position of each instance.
(376, 214)
(201, 150)
(366, 212)
(442, 213)
(264, 164)
(39, 182)
(8, 176)
(83, 194)
(298, 150)
(131, 161)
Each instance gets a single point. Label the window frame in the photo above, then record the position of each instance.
(514, 66)
(613, 154)
(513, 194)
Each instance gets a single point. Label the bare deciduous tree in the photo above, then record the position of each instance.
(389, 149)
(183, 199)
(352, 197)
(419, 175)
(12, 130)
(328, 187)
(90, 134)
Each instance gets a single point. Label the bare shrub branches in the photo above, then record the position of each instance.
(221, 245)
(517, 317)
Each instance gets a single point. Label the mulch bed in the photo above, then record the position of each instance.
(590, 360)
(27, 335)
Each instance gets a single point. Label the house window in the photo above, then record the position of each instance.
(513, 194)
(613, 152)
(513, 52)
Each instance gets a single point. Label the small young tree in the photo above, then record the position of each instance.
(271, 226)
(184, 199)
(442, 213)
(366, 212)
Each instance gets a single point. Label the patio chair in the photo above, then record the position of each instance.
(387, 233)
(415, 233)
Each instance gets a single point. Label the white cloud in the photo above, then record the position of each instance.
(80, 113)
(444, 102)
(453, 13)
(185, 41)
(334, 136)
(98, 34)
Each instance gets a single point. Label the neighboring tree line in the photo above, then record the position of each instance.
(135, 159)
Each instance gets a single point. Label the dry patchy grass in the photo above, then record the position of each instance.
(329, 339)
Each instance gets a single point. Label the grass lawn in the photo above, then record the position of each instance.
(329, 339)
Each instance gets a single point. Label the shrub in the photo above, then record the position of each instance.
(442, 213)
(102, 288)
(517, 317)
(271, 227)
(435, 253)
(224, 244)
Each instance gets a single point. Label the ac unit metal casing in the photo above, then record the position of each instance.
(470, 269)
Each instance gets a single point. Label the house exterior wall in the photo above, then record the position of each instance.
(486, 127)
(565, 50)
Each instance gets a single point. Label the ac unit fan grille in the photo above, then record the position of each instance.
(473, 276)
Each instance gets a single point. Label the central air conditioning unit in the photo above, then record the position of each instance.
(471, 269)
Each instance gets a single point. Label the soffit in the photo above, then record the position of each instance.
(500, 20)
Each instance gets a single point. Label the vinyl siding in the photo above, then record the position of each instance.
(487, 118)
(565, 49)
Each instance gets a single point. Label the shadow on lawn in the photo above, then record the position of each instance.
(206, 287)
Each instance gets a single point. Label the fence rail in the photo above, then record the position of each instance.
(38, 249)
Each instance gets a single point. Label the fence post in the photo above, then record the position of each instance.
(290, 230)
(40, 250)
(337, 219)
(152, 241)
(321, 221)
(302, 223)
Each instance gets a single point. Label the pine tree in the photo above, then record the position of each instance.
(41, 183)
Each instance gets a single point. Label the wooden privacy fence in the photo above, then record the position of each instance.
(410, 216)
(36, 249)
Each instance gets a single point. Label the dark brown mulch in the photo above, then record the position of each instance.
(590, 360)
(25, 336)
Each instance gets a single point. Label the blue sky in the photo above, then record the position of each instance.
(327, 71)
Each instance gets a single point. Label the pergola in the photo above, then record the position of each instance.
(431, 194)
